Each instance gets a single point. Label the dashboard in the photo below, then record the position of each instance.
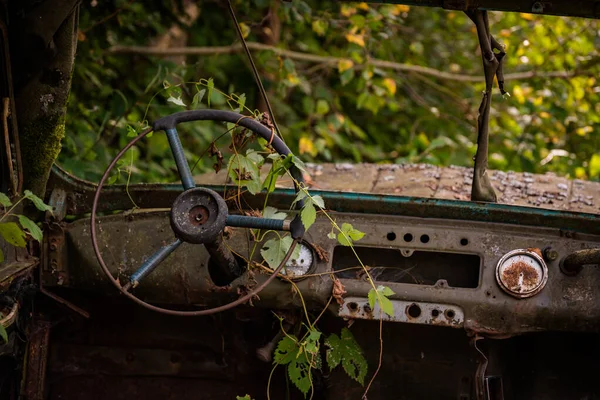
(486, 277)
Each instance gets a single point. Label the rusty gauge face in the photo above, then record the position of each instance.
(522, 273)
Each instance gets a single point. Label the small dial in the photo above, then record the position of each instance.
(296, 267)
(522, 273)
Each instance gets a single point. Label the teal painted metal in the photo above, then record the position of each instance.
(242, 221)
(162, 195)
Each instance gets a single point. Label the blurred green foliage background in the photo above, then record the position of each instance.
(347, 104)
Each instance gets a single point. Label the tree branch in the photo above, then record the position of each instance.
(329, 60)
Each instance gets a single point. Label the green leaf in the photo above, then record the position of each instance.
(32, 227)
(272, 212)
(176, 100)
(37, 202)
(349, 235)
(4, 200)
(246, 397)
(210, 84)
(345, 350)
(299, 373)
(274, 250)
(14, 235)
(286, 351)
(3, 333)
(346, 76)
(380, 296)
(244, 170)
(318, 200)
(131, 131)
(308, 215)
(372, 298)
(322, 107)
(197, 99)
(331, 235)
(300, 196)
(311, 343)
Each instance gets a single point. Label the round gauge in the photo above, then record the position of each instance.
(296, 267)
(522, 273)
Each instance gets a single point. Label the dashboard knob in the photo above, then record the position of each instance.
(522, 273)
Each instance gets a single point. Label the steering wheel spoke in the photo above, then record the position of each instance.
(151, 263)
(243, 221)
(182, 165)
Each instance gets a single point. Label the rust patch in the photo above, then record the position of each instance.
(519, 275)
(536, 251)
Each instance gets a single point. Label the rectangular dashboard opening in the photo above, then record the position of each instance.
(407, 266)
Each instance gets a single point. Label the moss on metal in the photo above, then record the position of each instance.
(40, 144)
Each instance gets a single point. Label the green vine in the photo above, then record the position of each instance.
(300, 353)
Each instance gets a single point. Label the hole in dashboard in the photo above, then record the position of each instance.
(464, 241)
(421, 268)
(408, 237)
(435, 313)
(391, 236)
(424, 238)
(414, 311)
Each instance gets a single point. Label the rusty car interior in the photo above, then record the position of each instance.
(495, 298)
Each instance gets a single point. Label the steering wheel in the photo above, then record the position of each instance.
(199, 215)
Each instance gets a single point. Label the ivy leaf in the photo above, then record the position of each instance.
(274, 250)
(286, 351)
(4, 200)
(381, 296)
(300, 196)
(244, 170)
(308, 215)
(197, 99)
(246, 397)
(349, 235)
(32, 227)
(37, 202)
(318, 200)
(345, 350)
(299, 373)
(312, 341)
(14, 235)
(273, 213)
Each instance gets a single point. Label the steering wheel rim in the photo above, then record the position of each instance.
(163, 124)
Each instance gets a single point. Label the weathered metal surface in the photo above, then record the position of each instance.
(37, 358)
(565, 304)
(574, 262)
(579, 8)
(162, 196)
(404, 311)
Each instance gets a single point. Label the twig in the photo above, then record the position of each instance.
(332, 61)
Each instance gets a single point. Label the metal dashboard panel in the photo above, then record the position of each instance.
(565, 304)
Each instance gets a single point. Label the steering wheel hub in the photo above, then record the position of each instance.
(198, 215)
